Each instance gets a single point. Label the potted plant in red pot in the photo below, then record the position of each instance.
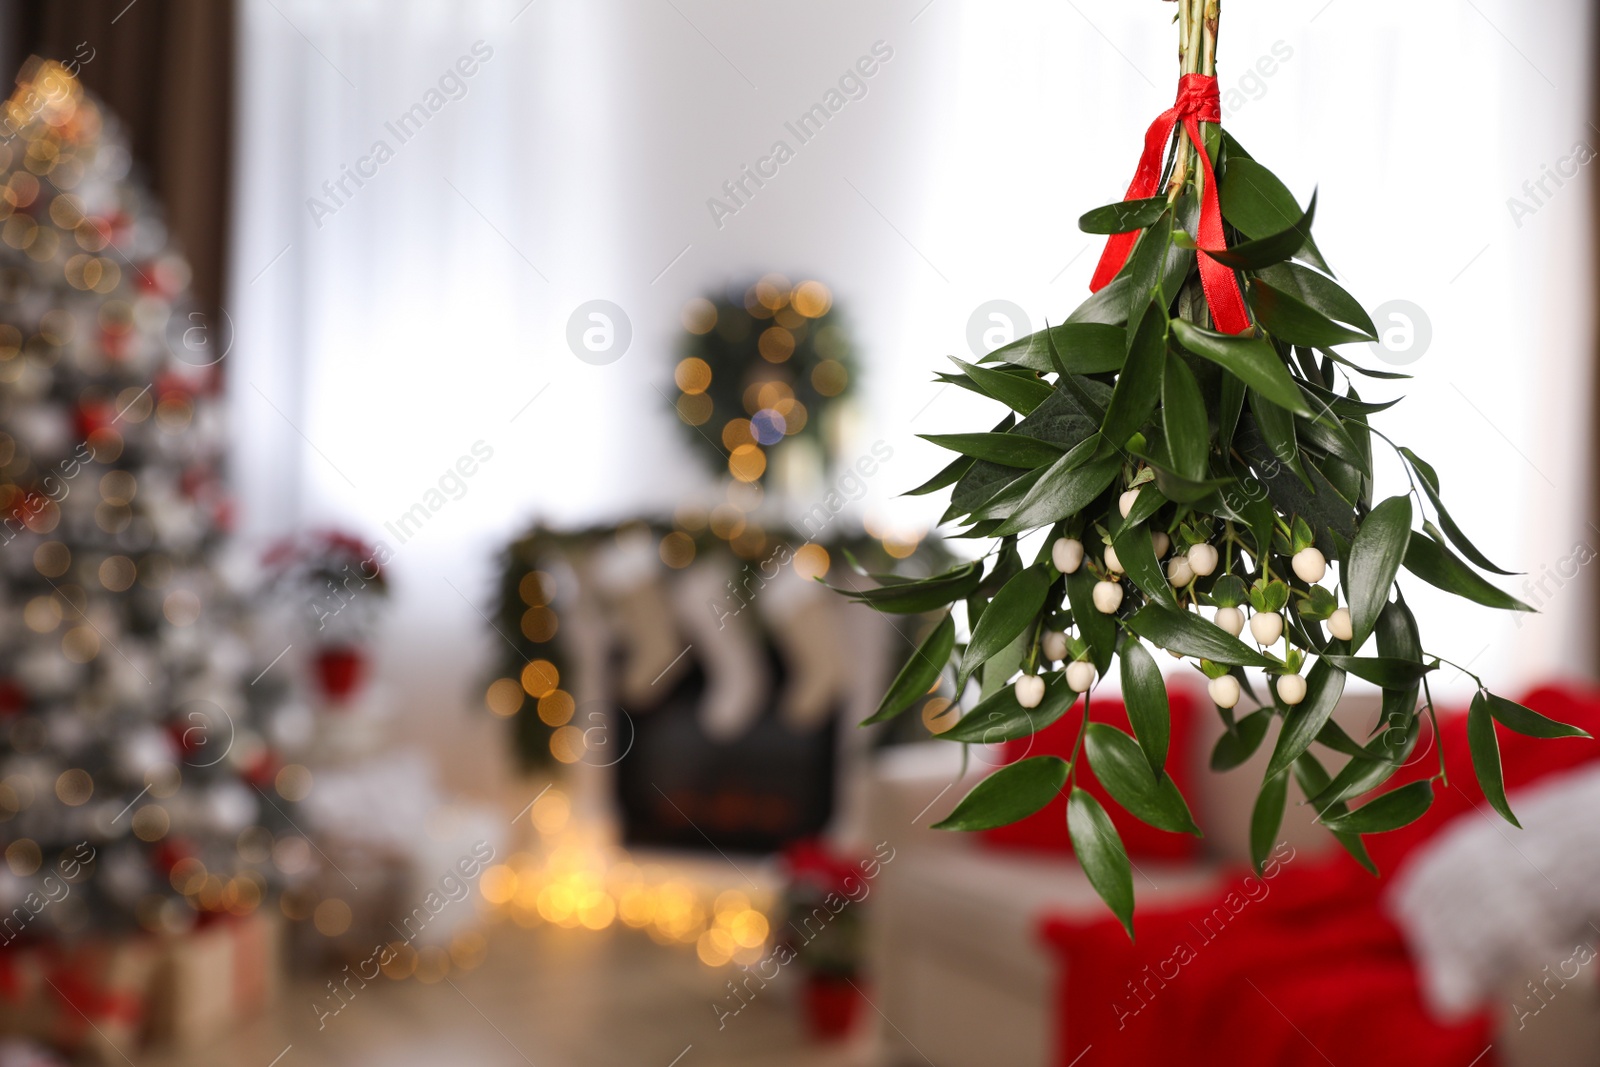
(824, 932)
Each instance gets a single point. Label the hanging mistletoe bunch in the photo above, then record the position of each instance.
(1194, 447)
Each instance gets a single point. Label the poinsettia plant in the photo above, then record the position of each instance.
(1194, 447)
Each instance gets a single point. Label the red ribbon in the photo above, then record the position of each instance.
(1198, 101)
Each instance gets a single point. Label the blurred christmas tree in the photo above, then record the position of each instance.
(129, 771)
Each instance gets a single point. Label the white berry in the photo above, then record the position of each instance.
(1112, 562)
(1029, 690)
(1291, 689)
(1339, 624)
(1230, 619)
(1160, 542)
(1054, 645)
(1067, 554)
(1080, 676)
(1224, 691)
(1126, 501)
(1107, 597)
(1179, 573)
(1266, 627)
(1202, 559)
(1309, 565)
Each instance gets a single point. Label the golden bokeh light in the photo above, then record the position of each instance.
(504, 697)
(693, 375)
(677, 550)
(940, 714)
(776, 344)
(695, 408)
(811, 561)
(556, 707)
(830, 377)
(540, 677)
(812, 299)
(747, 463)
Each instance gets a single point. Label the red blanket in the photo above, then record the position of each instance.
(1299, 966)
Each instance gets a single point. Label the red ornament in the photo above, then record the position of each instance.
(341, 671)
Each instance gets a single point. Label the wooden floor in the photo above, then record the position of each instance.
(547, 997)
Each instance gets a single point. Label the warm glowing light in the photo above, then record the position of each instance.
(540, 677)
(504, 697)
(939, 715)
(693, 375)
(811, 561)
(812, 299)
(747, 463)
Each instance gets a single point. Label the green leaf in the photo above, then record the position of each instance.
(1109, 306)
(1321, 293)
(1125, 216)
(1240, 743)
(1146, 266)
(927, 594)
(1084, 347)
(1273, 248)
(1122, 767)
(1099, 630)
(1138, 558)
(1062, 492)
(1383, 671)
(1101, 855)
(1485, 748)
(1183, 418)
(1006, 449)
(1526, 721)
(1008, 614)
(1252, 360)
(1394, 809)
(1375, 557)
(1430, 485)
(1277, 428)
(1019, 393)
(1438, 566)
(949, 476)
(1188, 633)
(1258, 204)
(1145, 695)
(1014, 792)
(919, 673)
(1314, 780)
(1324, 686)
(1267, 819)
(998, 717)
(1139, 385)
(1290, 319)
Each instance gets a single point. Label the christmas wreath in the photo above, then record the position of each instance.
(758, 369)
(1194, 447)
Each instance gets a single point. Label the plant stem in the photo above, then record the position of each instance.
(1189, 12)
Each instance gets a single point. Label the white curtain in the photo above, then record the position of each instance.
(426, 312)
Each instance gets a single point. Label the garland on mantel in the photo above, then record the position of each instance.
(1185, 441)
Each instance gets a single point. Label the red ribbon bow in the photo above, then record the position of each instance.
(1198, 101)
